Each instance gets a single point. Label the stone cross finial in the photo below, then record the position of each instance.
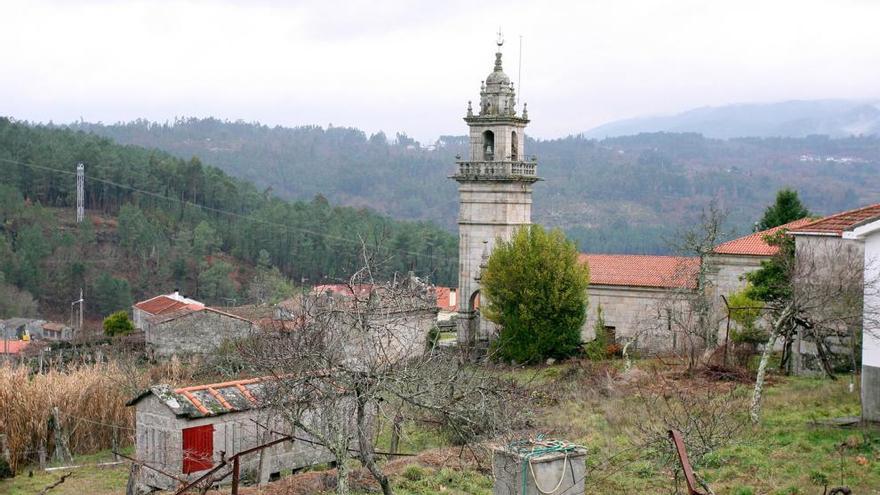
(525, 110)
(470, 110)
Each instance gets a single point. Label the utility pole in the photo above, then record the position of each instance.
(80, 193)
(80, 316)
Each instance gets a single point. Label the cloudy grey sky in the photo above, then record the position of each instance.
(412, 66)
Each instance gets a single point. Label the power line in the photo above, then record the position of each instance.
(442, 259)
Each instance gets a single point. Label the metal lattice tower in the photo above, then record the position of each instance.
(80, 193)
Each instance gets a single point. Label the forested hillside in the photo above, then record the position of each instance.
(155, 222)
(626, 194)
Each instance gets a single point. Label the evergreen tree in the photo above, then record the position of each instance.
(215, 282)
(111, 294)
(787, 208)
(535, 289)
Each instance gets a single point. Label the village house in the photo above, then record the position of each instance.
(175, 324)
(185, 431)
(35, 329)
(400, 321)
(867, 232)
(162, 304)
(193, 330)
(447, 303)
(828, 253)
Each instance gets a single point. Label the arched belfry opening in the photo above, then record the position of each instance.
(488, 145)
(514, 147)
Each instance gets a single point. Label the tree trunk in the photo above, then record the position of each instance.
(365, 447)
(755, 408)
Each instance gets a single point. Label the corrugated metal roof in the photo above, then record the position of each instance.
(755, 244)
(164, 304)
(668, 272)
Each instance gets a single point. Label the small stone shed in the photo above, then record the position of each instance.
(193, 331)
(185, 431)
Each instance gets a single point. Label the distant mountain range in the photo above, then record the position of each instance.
(796, 118)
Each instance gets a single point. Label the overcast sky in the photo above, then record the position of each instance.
(412, 66)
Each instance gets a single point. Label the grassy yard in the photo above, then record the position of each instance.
(790, 452)
(86, 480)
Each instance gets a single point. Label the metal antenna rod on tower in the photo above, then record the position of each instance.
(519, 69)
(80, 193)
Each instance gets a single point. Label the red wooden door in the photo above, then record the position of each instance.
(198, 448)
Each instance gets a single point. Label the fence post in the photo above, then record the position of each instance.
(115, 441)
(395, 434)
(4, 450)
(235, 475)
(62, 451)
(41, 454)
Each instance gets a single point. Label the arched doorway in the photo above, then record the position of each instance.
(473, 324)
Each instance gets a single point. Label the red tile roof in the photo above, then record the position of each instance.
(446, 298)
(670, 272)
(754, 244)
(13, 346)
(164, 304)
(836, 224)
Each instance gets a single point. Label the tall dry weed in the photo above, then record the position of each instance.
(90, 399)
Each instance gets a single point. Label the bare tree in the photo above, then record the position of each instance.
(813, 292)
(690, 311)
(343, 362)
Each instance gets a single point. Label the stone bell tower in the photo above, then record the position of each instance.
(495, 192)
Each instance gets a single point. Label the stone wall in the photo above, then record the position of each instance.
(726, 276)
(635, 313)
(197, 332)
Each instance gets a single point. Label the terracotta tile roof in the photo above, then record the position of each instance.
(13, 346)
(211, 399)
(754, 244)
(189, 309)
(51, 325)
(164, 304)
(839, 222)
(446, 298)
(670, 272)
